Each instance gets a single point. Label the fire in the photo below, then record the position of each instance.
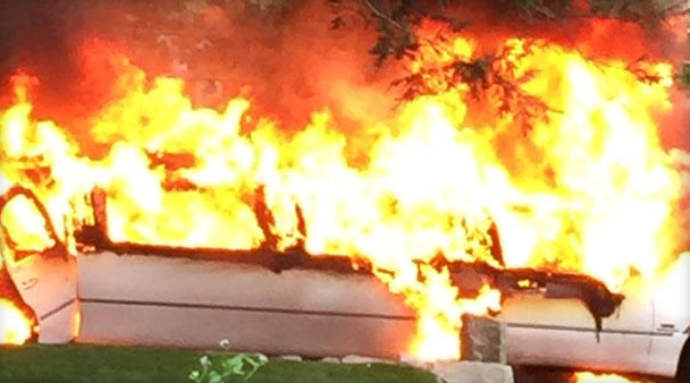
(588, 377)
(571, 172)
(15, 328)
(440, 310)
(31, 234)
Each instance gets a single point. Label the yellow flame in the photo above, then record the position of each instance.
(31, 233)
(15, 329)
(588, 377)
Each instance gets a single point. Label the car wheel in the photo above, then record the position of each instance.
(683, 374)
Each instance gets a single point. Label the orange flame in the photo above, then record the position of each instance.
(588, 188)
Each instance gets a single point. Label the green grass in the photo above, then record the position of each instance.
(99, 364)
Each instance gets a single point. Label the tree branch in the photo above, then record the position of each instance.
(378, 13)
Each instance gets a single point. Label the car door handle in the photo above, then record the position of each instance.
(667, 328)
(29, 284)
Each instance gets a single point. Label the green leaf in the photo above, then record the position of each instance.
(195, 376)
(214, 377)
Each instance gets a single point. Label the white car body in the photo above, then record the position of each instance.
(646, 335)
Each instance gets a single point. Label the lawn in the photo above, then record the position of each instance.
(99, 364)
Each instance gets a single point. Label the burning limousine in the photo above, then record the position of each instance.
(291, 303)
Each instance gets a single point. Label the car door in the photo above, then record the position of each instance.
(671, 318)
(626, 337)
(547, 331)
(43, 272)
(551, 325)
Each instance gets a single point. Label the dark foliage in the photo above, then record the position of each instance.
(396, 24)
(395, 19)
